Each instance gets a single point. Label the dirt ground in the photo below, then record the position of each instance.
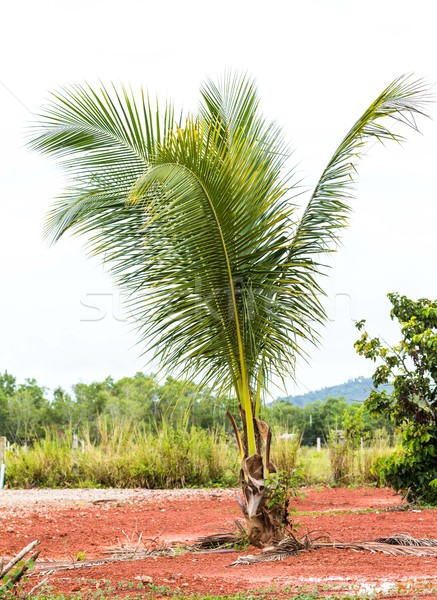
(80, 525)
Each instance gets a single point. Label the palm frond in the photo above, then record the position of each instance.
(397, 545)
(233, 102)
(211, 232)
(404, 539)
(104, 140)
(327, 211)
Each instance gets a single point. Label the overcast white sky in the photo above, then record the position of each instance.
(318, 65)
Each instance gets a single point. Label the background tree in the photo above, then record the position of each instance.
(7, 390)
(197, 219)
(62, 411)
(411, 367)
(24, 409)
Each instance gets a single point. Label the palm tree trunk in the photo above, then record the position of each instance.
(265, 511)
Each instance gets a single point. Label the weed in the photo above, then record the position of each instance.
(80, 556)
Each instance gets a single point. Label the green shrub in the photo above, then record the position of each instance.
(410, 367)
(412, 468)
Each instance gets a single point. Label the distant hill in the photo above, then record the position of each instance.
(354, 390)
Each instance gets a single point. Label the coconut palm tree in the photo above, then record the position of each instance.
(197, 219)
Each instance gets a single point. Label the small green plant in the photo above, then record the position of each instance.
(283, 486)
(80, 556)
(13, 574)
(163, 590)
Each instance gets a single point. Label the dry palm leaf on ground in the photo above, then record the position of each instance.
(395, 545)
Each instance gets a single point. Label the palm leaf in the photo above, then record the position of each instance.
(330, 204)
(290, 546)
(215, 231)
(327, 211)
(104, 141)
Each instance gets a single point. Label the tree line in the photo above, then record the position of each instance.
(27, 409)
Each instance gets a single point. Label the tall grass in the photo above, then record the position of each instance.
(341, 458)
(379, 447)
(354, 463)
(314, 466)
(285, 452)
(128, 455)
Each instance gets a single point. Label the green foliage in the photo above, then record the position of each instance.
(7, 390)
(144, 399)
(412, 468)
(186, 430)
(353, 450)
(11, 584)
(411, 366)
(283, 486)
(23, 408)
(27, 411)
(317, 419)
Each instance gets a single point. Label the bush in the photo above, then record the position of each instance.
(411, 367)
(412, 468)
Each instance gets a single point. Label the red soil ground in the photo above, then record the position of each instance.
(85, 528)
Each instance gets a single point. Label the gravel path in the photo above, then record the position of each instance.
(64, 497)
